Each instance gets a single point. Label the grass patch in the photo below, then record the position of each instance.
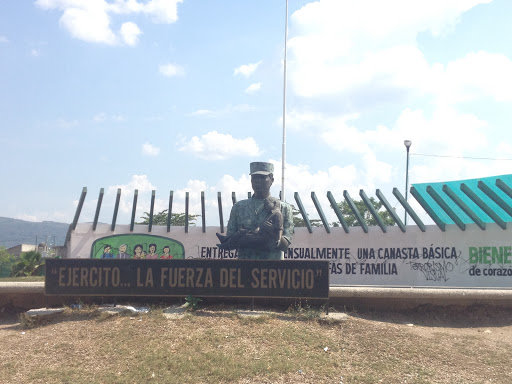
(80, 346)
(21, 279)
(304, 311)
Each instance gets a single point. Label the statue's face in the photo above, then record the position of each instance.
(261, 184)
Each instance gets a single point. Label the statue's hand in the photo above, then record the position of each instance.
(250, 235)
(267, 226)
(283, 244)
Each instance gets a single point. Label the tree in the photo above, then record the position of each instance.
(368, 218)
(348, 215)
(6, 262)
(177, 219)
(28, 264)
(298, 221)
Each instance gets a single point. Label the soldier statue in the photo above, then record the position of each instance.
(260, 227)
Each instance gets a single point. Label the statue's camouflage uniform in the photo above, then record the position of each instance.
(250, 214)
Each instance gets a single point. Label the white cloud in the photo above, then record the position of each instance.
(34, 52)
(228, 109)
(130, 33)
(102, 117)
(247, 69)
(87, 21)
(449, 136)
(38, 216)
(140, 183)
(380, 21)
(169, 70)
(301, 179)
(163, 11)
(255, 87)
(27, 217)
(3, 39)
(504, 150)
(203, 112)
(342, 53)
(217, 146)
(438, 133)
(442, 132)
(474, 76)
(333, 131)
(66, 124)
(341, 47)
(90, 20)
(150, 150)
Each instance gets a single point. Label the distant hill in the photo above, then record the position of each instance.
(14, 232)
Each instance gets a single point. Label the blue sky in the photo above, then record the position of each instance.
(183, 95)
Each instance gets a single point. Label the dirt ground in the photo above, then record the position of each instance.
(423, 345)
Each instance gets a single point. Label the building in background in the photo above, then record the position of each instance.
(46, 250)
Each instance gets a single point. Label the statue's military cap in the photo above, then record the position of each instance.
(261, 168)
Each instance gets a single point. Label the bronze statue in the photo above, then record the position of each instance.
(260, 227)
(265, 237)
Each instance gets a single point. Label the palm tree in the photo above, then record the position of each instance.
(28, 264)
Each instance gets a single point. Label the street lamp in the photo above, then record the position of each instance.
(407, 144)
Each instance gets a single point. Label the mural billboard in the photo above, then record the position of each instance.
(452, 258)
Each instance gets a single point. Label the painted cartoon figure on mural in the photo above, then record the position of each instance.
(138, 252)
(107, 254)
(260, 227)
(265, 237)
(122, 252)
(151, 252)
(165, 254)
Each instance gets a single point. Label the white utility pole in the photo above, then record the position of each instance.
(284, 107)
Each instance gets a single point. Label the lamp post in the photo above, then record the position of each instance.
(407, 144)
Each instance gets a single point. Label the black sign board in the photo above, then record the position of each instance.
(229, 278)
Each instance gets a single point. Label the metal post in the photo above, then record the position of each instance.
(134, 209)
(169, 212)
(407, 144)
(284, 107)
(151, 210)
